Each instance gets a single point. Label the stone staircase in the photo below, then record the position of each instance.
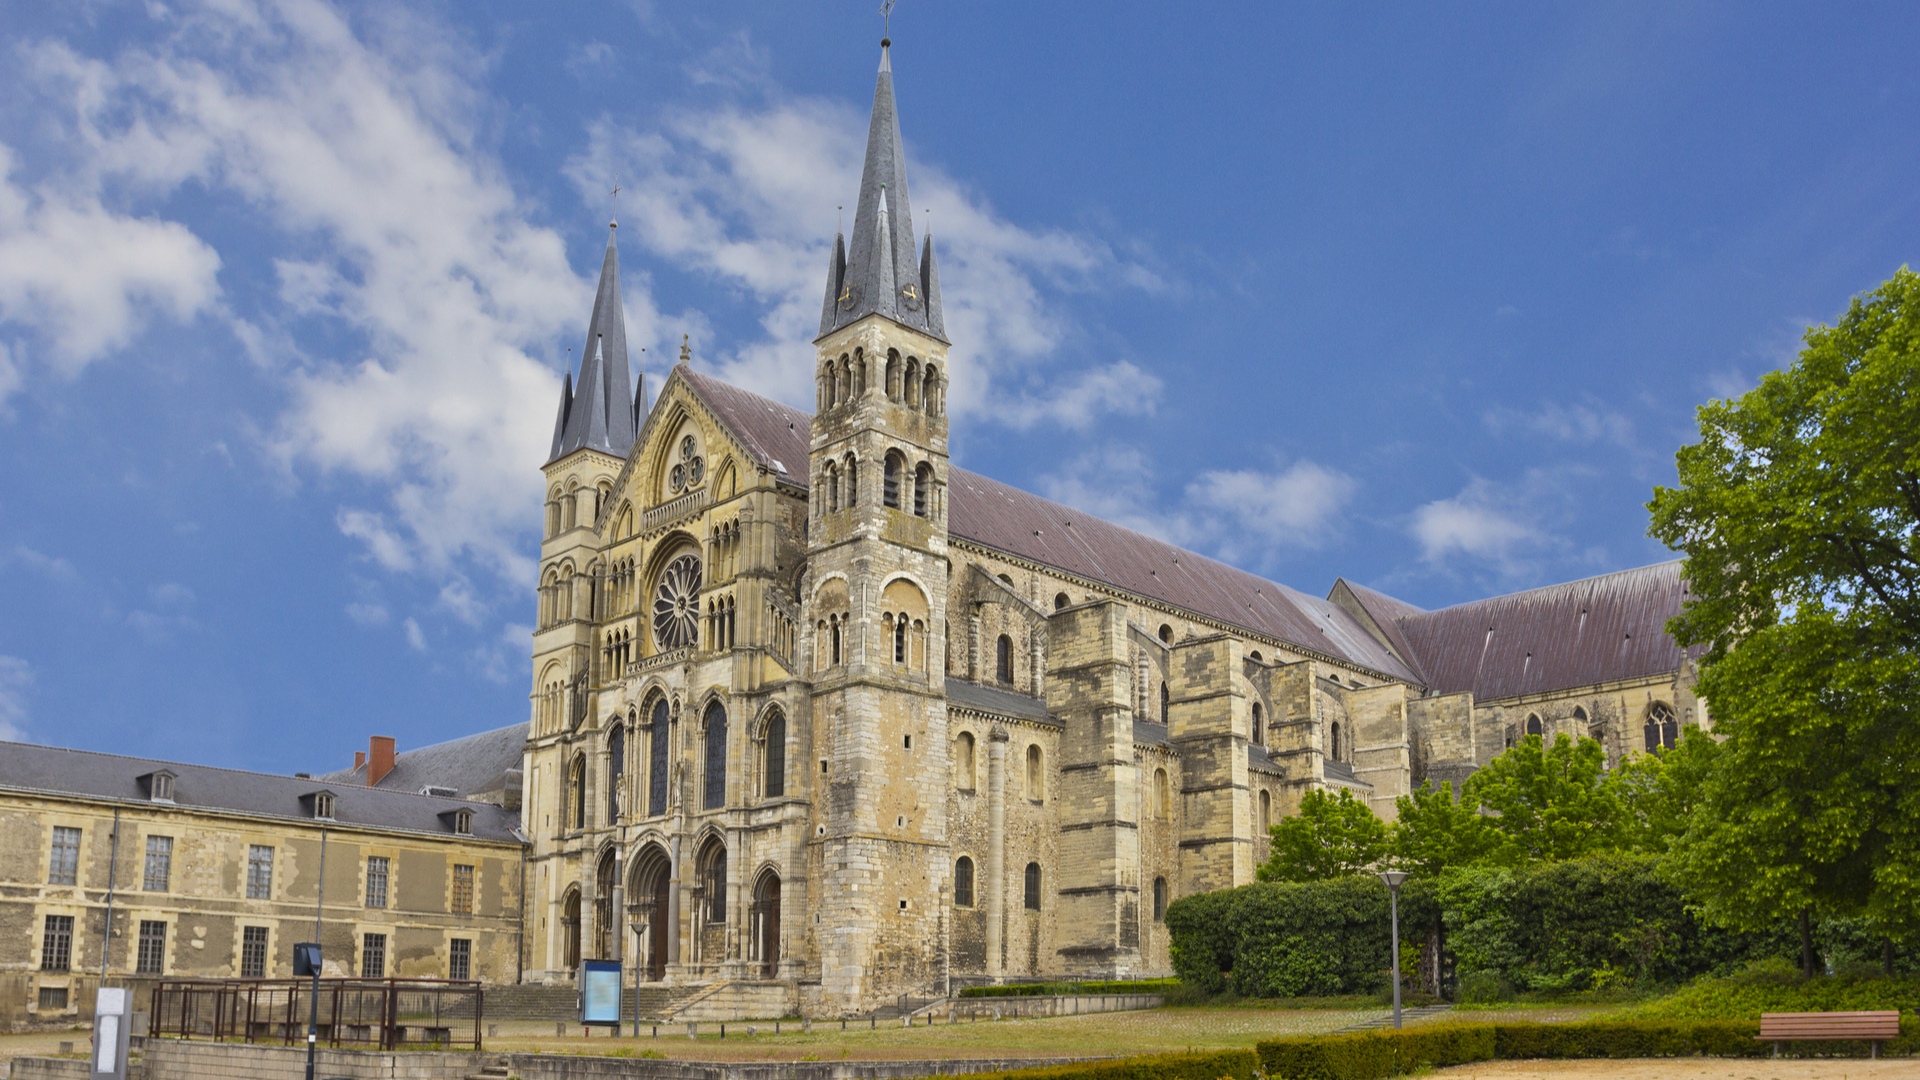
(499, 1070)
(1406, 1016)
(562, 1003)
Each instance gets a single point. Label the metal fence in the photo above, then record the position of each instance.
(365, 1014)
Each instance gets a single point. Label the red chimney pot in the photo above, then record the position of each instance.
(379, 758)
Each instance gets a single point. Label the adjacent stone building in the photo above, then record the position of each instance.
(216, 873)
(820, 719)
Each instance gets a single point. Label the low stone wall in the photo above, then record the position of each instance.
(742, 1001)
(1008, 1007)
(37, 1068)
(173, 1059)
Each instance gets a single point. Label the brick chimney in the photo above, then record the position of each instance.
(359, 759)
(379, 758)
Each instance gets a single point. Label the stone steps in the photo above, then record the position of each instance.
(1386, 1021)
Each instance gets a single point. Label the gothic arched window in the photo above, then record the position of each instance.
(1258, 727)
(577, 793)
(1003, 659)
(716, 749)
(657, 760)
(1533, 724)
(776, 786)
(1033, 886)
(1333, 741)
(963, 882)
(1662, 730)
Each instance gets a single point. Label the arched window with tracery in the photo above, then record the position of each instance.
(776, 786)
(963, 882)
(716, 753)
(657, 759)
(1662, 729)
(1033, 886)
(1003, 659)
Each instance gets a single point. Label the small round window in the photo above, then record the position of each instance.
(690, 469)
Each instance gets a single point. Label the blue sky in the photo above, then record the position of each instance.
(1420, 295)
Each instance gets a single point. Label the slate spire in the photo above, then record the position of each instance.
(875, 272)
(597, 411)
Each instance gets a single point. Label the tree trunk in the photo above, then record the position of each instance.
(1806, 943)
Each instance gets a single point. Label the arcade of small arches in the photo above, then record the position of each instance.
(901, 488)
(576, 505)
(908, 382)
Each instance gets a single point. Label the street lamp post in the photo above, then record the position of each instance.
(1393, 880)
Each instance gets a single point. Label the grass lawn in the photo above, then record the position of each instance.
(1153, 1031)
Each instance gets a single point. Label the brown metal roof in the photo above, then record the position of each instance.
(1004, 518)
(1596, 630)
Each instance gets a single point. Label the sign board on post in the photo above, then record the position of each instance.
(600, 992)
(109, 1035)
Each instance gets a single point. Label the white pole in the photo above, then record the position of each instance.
(1395, 892)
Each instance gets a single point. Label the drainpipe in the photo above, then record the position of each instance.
(113, 867)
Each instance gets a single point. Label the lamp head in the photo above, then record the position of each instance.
(1393, 878)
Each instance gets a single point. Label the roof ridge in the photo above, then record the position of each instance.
(1541, 588)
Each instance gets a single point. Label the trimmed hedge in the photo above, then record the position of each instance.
(1071, 989)
(1310, 939)
(1234, 1064)
(1371, 1055)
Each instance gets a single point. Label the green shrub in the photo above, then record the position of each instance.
(1276, 940)
(1777, 987)
(1234, 1064)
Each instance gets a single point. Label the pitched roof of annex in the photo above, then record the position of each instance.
(472, 765)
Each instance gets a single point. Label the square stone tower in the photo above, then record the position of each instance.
(876, 588)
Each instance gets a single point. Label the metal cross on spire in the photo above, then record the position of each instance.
(886, 16)
(615, 195)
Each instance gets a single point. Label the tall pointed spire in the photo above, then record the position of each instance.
(599, 414)
(877, 275)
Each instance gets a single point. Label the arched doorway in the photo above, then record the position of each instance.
(651, 880)
(603, 913)
(710, 912)
(765, 923)
(570, 930)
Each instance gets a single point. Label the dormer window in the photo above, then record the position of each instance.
(461, 821)
(159, 785)
(323, 805)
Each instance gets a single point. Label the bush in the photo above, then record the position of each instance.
(1777, 987)
(1290, 940)
(1234, 1064)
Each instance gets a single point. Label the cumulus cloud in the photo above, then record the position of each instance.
(1509, 531)
(16, 675)
(743, 194)
(1586, 423)
(367, 614)
(415, 637)
(85, 279)
(1249, 517)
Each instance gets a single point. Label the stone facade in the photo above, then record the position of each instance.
(815, 709)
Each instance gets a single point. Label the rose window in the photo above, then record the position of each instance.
(676, 604)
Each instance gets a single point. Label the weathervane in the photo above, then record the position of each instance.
(615, 195)
(886, 15)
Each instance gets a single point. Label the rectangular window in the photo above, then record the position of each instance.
(460, 959)
(463, 890)
(253, 952)
(53, 997)
(259, 872)
(373, 956)
(376, 881)
(56, 945)
(63, 867)
(152, 957)
(159, 862)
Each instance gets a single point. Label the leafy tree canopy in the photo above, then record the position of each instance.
(1435, 830)
(1332, 836)
(1553, 802)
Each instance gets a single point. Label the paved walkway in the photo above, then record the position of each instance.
(1386, 1021)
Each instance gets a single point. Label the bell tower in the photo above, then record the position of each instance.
(876, 589)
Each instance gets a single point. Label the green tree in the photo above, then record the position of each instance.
(1331, 837)
(1553, 802)
(1798, 512)
(1657, 792)
(1434, 830)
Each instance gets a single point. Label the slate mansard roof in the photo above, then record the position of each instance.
(473, 765)
(1582, 633)
(29, 769)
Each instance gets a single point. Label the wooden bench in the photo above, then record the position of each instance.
(1873, 1028)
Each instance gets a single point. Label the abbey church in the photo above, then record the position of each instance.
(820, 719)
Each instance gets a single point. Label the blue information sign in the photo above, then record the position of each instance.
(600, 992)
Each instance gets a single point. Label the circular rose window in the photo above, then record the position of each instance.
(676, 604)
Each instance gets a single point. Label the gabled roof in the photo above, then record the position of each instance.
(1003, 518)
(472, 765)
(50, 769)
(878, 275)
(1581, 633)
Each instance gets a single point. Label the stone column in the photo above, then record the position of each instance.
(973, 642)
(996, 843)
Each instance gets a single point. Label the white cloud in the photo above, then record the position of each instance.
(1510, 530)
(52, 567)
(85, 279)
(415, 637)
(367, 614)
(15, 676)
(1582, 424)
(744, 195)
(1248, 517)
